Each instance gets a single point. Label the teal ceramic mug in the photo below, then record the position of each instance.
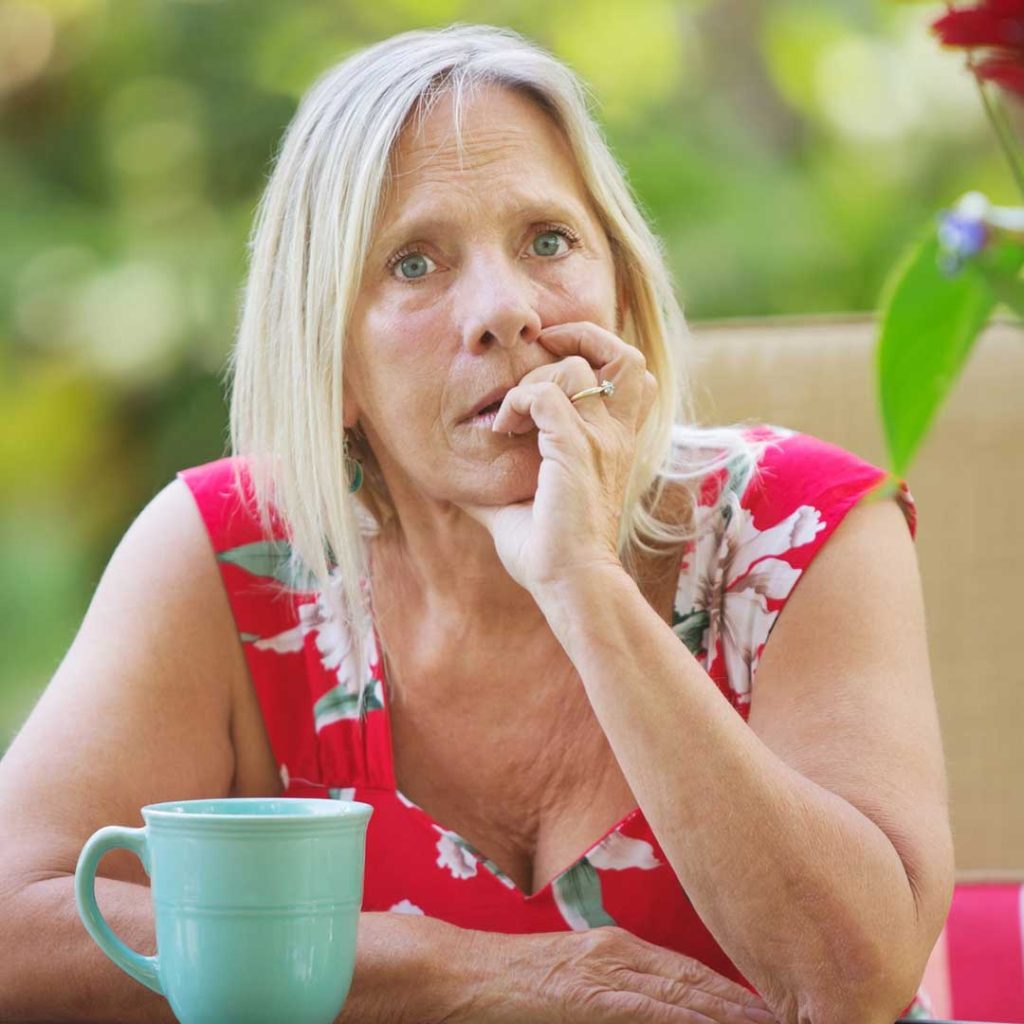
(256, 903)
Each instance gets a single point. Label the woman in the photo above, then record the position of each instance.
(527, 605)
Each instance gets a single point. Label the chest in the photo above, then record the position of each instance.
(512, 757)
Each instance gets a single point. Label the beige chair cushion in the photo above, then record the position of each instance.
(817, 375)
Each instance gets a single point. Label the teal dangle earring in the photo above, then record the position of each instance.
(353, 469)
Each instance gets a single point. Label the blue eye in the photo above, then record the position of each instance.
(413, 262)
(552, 242)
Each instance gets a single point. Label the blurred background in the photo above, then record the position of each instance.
(786, 151)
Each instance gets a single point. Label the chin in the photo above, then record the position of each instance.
(506, 484)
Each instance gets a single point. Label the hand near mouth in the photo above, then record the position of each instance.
(587, 453)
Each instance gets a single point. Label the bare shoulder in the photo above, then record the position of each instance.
(142, 706)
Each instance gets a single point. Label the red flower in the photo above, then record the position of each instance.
(990, 23)
(1005, 71)
(998, 27)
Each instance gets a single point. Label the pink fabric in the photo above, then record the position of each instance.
(985, 952)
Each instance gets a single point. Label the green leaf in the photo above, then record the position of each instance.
(270, 560)
(1007, 288)
(929, 325)
(338, 703)
(690, 628)
(578, 897)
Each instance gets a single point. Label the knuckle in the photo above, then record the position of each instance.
(594, 939)
(610, 936)
(690, 970)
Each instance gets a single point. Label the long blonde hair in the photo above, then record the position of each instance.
(311, 236)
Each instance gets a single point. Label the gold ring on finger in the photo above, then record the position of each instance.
(606, 389)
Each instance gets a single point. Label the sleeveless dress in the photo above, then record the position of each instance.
(759, 531)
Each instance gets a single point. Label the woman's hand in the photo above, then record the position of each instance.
(587, 450)
(602, 976)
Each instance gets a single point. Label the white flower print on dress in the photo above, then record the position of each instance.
(406, 907)
(617, 851)
(735, 574)
(453, 855)
(287, 642)
(333, 641)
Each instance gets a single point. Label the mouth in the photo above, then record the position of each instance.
(488, 404)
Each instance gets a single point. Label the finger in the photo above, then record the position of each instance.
(666, 963)
(623, 1006)
(649, 396)
(722, 1009)
(611, 357)
(571, 374)
(543, 405)
(573, 371)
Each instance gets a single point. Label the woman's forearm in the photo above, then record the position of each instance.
(413, 969)
(806, 895)
(52, 970)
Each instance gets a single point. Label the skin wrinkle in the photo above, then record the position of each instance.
(432, 347)
(468, 653)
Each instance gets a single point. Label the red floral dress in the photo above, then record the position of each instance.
(760, 531)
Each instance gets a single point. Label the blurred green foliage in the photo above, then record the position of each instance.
(786, 151)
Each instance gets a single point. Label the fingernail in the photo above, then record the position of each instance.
(764, 1016)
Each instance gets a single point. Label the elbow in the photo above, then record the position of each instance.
(864, 980)
(863, 990)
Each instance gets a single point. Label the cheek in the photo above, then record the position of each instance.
(584, 297)
(400, 371)
(399, 331)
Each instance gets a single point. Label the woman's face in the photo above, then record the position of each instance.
(469, 263)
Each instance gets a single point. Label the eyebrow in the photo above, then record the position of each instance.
(415, 227)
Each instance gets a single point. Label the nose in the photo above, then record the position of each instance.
(498, 306)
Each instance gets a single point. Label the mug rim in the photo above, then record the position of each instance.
(306, 809)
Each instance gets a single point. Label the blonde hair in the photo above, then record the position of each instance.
(312, 232)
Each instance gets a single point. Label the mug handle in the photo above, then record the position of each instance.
(145, 969)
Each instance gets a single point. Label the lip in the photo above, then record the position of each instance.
(494, 395)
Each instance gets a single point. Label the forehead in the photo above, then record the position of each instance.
(506, 137)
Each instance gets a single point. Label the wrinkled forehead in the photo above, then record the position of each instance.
(463, 137)
(469, 116)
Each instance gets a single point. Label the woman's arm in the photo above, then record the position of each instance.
(140, 711)
(52, 970)
(814, 842)
(409, 969)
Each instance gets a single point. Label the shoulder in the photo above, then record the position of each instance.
(799, 471)
(780, 509)
(802, 490)
(761, 522)
(222, 493)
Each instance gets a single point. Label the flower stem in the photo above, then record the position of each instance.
(1003, 133)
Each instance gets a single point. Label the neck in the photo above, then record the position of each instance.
(450, 575)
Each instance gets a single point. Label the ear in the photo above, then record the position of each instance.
(350, 410)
